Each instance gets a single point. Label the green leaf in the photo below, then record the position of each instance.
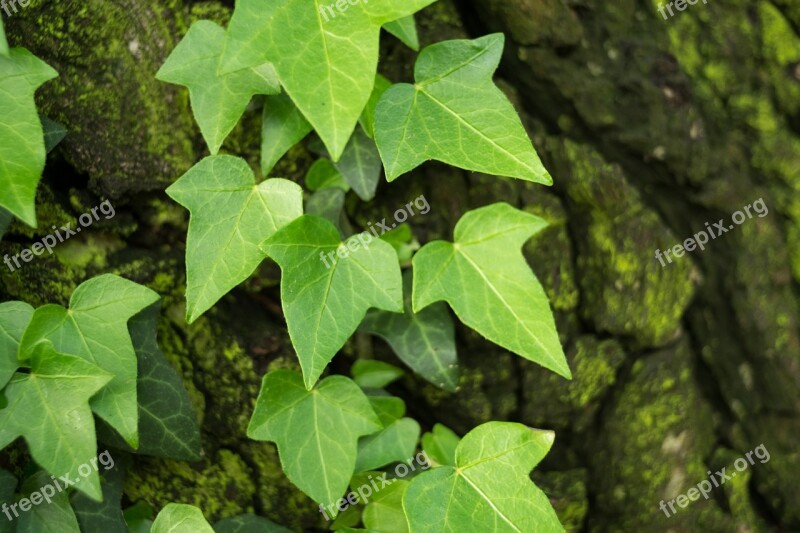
(328, 204)
(96, 328)
(372, 374)
(425, 341)
(326, 58)
(14, 318)
(388, 408)
(486, 280)
(248, 523)
(489, 489)
(324, 175)
(395, 443)
(218, 101)
(316, 431)
(360, 165)
(22, 150)
(49, 407)
(3, 43)
(181, 518)
(282, 126)
(55, 515)
(8, 486)
(167, 422)
(324, 306)
(367, 119)
(456, 115)
(440, 445)
(402, 240)
(385, 512)
(230, 217)
(404, 29)
(139, 517)
(105, 516)
(348, 518)
(54, 133)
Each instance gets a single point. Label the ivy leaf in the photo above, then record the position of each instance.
(55, 515)
(8, 486)
(486, 280)
(384, 512)
(456, 115)
(440, 445)
(316, 431)
(180, 518)
(360, 165)
(230, 217)
(489, 489)
(324, 306)
(371, 374)
(282, 126)
(22, 150)
(248, 523)
(328, 204)
(404, 29)
(14, 318)
(325, 57)
(425, 341)
(139, 517)
(395, 443)
(167, 422)
(49, 407)
(105, 516)
(324, 175)
(367, 119)
(3, 42)
(388, 408)
(218, 101)
(54, 133)
(96, 329)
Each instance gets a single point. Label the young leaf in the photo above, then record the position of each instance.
(324, 306)
(3, 43)
(248, 523)
(388, 408)
(230, 217)
(371, 374)
(440, 445)
(425, 341)
(218, 101)
(14, 318)
(55, 515)
(325, 56)
(395, 443)
(384, 512)
(456, 115)
(282, 126)
(22, 150)
(105, 516)
(486, 280)
(316, 431)
(180, 518)
(367, 119)
(404, 29)
(96, 328)
(360, 165)
(489, 489)
(49, 407)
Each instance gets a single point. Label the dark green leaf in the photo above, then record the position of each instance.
(283, 126)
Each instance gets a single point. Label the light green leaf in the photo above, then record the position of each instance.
(367, 119)
(440, 445)
(248, 523)
(425, 341)
(326, 57)
(282, 126)
(54, 133)
(22, 150)
(14, 318)
(346, 519)
(404, 29)
(486, 280)
(328, 204)
(361, 165)
(105, 516)
(181, 518)
(489, 489)
(456, 115)
(167, 422)
(96, 328)
(324, 175)
(384, 513)
(3, 43)
(324, 306)
(395, 443)
(316, 431)
(388, 408)
(49, 407)
(218, 101)
(230, 217)
(55, 515)
(371, 374)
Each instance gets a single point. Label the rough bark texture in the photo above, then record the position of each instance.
(650, 128)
